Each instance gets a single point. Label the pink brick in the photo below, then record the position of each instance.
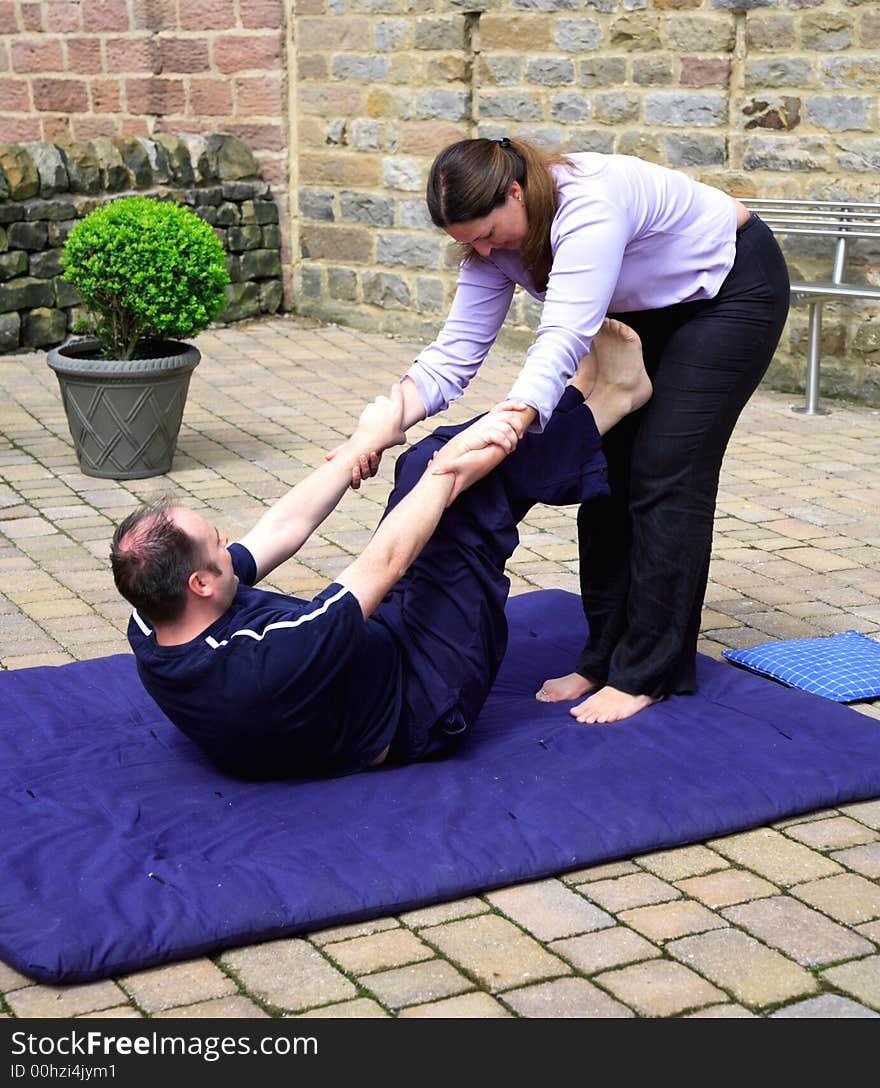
(207, 15)
(260, 95)
(135, 126)
(83, 56)
(14, 96)
(257, 14)
(62, 95)
(4, 57)
(101, 15)
(106, 96)
(89, 128)
(184, 55)
(705, 72)
(132, 55)
(154, 14)
(8, 21)
(32, 16)
(14, 130)
(156, 96)
(240, 54)
(211, 97)
(64, 18)
(38, 55)
(260, 137)
(273, 170)
(57, 129)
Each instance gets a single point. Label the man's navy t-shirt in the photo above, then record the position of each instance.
(279, 686)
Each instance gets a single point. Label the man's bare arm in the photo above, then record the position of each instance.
(289, 523)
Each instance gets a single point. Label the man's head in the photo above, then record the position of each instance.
(166, 557)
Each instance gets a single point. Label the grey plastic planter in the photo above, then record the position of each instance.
(124, 416)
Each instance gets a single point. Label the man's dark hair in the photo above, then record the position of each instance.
(152, 559)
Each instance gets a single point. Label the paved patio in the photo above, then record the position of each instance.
(781, 921)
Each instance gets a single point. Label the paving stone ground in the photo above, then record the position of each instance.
(781, 921)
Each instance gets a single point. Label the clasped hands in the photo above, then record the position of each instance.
(469, 455)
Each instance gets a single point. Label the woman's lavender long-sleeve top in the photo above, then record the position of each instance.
(627, 235)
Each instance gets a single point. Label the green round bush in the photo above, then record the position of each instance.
(147, 269)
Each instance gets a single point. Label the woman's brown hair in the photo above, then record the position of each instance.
(471, 177)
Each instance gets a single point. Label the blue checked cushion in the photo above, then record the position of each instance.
(844, 667)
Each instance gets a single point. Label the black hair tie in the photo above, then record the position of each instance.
(503, 140)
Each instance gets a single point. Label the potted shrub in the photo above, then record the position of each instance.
(151, 273)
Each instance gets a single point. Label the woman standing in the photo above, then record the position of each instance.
(705, 287)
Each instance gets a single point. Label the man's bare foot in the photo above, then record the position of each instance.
(622, 384)
(611, 705)
(562, 689)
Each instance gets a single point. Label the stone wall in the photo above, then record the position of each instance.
(761, 97)
(44, 189)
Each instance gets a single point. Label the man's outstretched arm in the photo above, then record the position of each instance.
(289, 523)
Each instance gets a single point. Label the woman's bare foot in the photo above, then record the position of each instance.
(563, 689)
(611, 705)
(584, 377)
(622, 384)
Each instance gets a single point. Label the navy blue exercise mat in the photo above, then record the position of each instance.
(123, 849)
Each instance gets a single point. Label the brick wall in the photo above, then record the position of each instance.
(761, 97)
(345, 103)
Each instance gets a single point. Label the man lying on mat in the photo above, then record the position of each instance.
(395, 658)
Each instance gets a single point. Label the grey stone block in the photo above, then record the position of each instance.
(180, 164)
(157, 157)
(602, 71)
(58, 232)
(239, 239)
(10, 330)
(240, 191)
(555, 5)
(242, 300)
(414, 213)
(839, 113)
(612, 107)
(29, 236)
(587, 139)
(264, 211)
(82, 168)
(403, 174)
(270, 236)
(66, 294)
(19, 171)
(503, 69)
(384, 289)
(407, 249)
(743, 5)
(25, 294)
(51, 168)
(577, 35)
(651, 71)
(259, 264)
(233, 158)
(699, 150)
(430, 294)
(683, 109)
(569, 107)
(367, 208)
(199, 198)
(444, 104)
(342, 284)
(391, 34)
(114, 173)
(778, 72)
(447, 33)
(517, 107)
(45, 265)
(860, 156)
(43, 326)
(136, 161)
(271, 296)
(779, 153)
(11, 213)
(365, 134)
(13, 264)
(310, 282)
(693, 33)
(359, 69)
(207, 214)
(202, 157)
(851, 72)
(550, 70)
(316, 204)
(55, 210)
(228, 214)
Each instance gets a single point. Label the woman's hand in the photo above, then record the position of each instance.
(474, 452)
